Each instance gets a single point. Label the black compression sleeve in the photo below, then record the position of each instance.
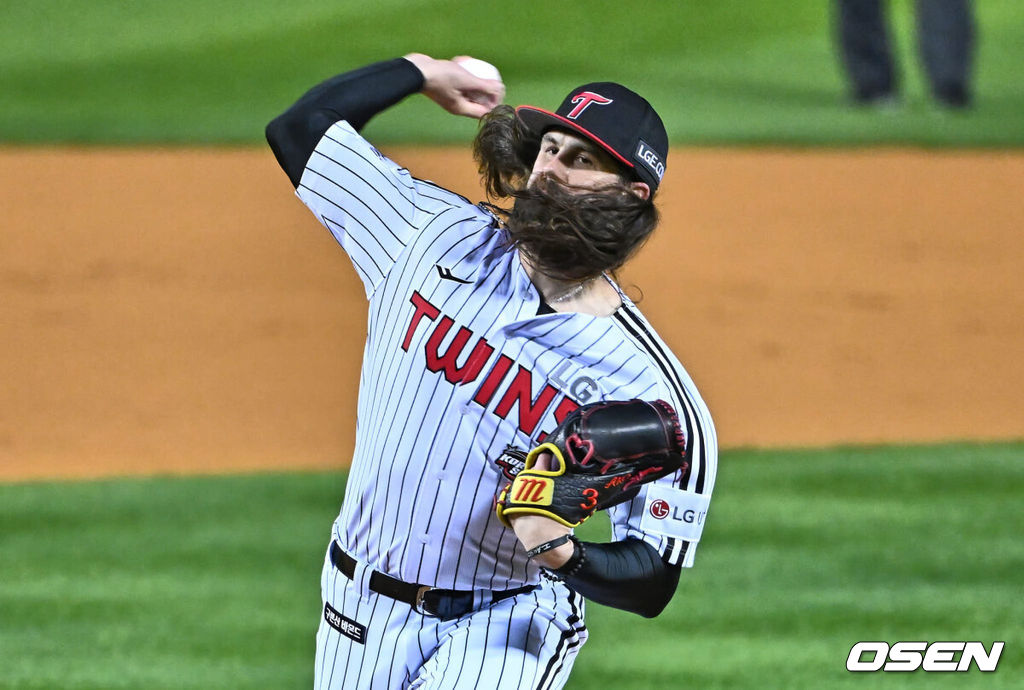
(628, 575)
(353, 96)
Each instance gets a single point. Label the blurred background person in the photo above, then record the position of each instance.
(945, 40)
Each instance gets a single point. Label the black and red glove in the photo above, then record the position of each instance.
(602, 454)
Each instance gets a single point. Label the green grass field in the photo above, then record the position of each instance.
(213, 582)
(724, 72)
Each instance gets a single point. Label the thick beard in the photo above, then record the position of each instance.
(574, 234)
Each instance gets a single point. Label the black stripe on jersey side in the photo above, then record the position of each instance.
(372, 164)
(557, 660)
(356, 197)
(664, 364)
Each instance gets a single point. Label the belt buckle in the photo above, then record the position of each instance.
(418, 604)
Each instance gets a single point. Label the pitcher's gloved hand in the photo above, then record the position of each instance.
(602, 454)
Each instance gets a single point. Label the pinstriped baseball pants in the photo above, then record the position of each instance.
(367, 641)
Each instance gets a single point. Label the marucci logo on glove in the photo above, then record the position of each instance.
(535, 490)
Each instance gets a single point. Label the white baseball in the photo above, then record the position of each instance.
(478, 68)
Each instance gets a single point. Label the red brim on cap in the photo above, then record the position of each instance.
(539, 119)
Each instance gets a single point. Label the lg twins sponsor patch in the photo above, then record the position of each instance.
(674, 513)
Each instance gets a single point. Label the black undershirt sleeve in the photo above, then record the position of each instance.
(628, 575)
(354, 96)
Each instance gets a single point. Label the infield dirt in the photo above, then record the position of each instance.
(179, 310)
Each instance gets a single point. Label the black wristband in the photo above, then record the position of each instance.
(575, 562)
(547, 546)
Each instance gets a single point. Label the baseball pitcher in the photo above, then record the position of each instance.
(509, 388)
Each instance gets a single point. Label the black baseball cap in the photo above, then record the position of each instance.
(618, 120)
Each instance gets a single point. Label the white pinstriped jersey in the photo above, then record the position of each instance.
(459, 373)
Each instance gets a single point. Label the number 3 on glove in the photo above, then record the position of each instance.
(602, 454)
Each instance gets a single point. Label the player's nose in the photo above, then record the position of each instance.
(553, 168)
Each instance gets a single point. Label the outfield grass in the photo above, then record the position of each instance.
(730, 71)
(213, 582)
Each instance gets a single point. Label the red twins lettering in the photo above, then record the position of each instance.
(515, 393)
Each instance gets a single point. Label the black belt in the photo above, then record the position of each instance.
(446, 604)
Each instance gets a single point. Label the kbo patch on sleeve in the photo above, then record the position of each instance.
(674, 513)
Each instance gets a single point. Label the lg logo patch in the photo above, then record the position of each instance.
(937, 657)
(660, 509)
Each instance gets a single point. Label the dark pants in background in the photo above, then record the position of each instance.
(945, 37)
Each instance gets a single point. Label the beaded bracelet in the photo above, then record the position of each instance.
(575, 562)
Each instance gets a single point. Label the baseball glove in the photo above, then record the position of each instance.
(602, 454)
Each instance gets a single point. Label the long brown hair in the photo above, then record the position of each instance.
(568, 234)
